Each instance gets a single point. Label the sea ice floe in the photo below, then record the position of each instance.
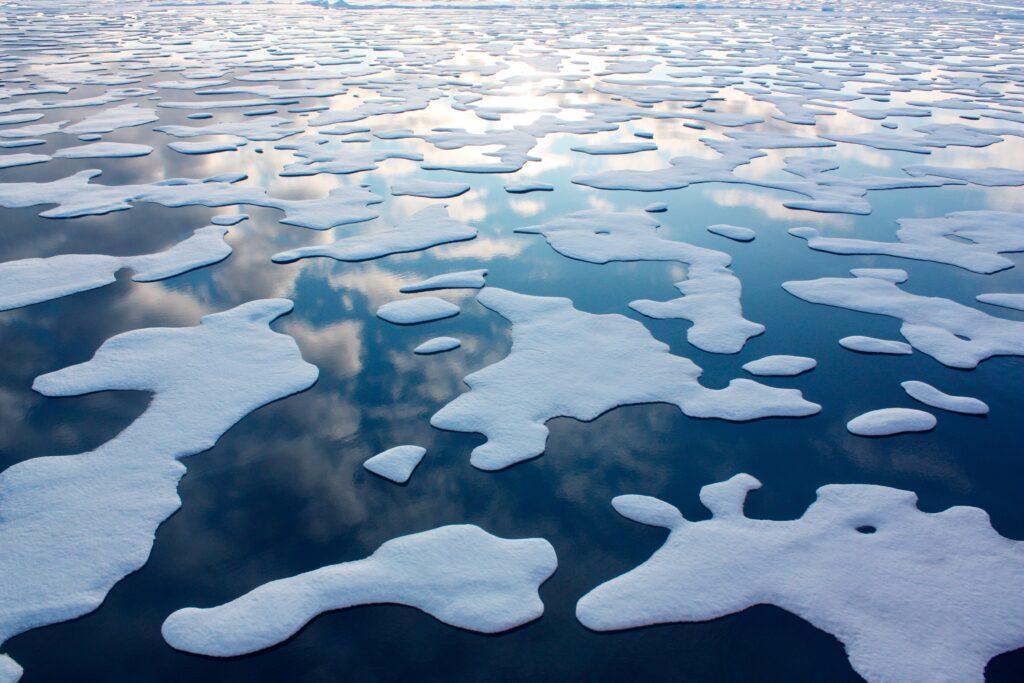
(607, 148)
(437, 345)
(1004, 299)
(780, 366)
(434, 189)
(114, 118)
(459, 574)
(656, 207)
(711, 292)
(425, 229)
(987, 177)
(463, 279)
(733, 232)
(524, 186)
(913, 596)
(103, 150)
(930, 396)
(22, 159)
(396, 464)
(565, 362)
(263, 129)
(319, 154)
(972, 240)
(202, 147)
(423, 309)
(72, 526)
(874, 345)
(953, 334)
(891, 421)
(33, 280)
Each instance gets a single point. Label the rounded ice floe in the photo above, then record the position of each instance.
(615, 148)
(524, 186)
(874, 345)
(929, 395)
(780, 366)
(459, 574)
(656, 207)
(890, 421)
(413, 311)
(396, 464)
(463, 279)
(913, 596)
(437, 345)
(432, 189)
(733, 232)
(229, 219)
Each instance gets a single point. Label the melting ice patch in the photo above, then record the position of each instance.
(437, 345)
(72, 526)
(891, 421)
(864, 344)
(913, 596)
(459, 574)
(424, 309)
(396, 464)
(565, 362)
(780, 366)
(463, 279)
(929, 395)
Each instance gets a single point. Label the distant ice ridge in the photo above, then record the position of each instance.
(711, 292)
(858, 551)
(565, 362)
(33, 280)
(72, 526)
(953, 334)
(459, 574)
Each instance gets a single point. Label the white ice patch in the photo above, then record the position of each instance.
(437, 345)
(913, 596)
(711, 292)
(424, 309)
(458, 574)
(565, 362)
(733, 232)
(864, 344)
(607, 148)
(930, 396)
(891, 421)
(463, 279)
(396, 464)
(72, 526)
(1004, 299)
(780, 366)
(103, 150)
(33, 280)
(427, 228)
(951, 333)
(22, 159)
(433, 189)
(108, 120)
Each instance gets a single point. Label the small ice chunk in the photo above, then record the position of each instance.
(396, 463)
(414, 311)
(463, 279)
(780, 366)
(874, 345)
(229, 219)
(459, 574)
(524, 186)
(929, 395)
(437, 345)
(202, 147)
(890, 421)
(733, 232)
(615, 148)
(103, 150)
(656, 207)
(22, 159)
(433, 189)
(1004, 299)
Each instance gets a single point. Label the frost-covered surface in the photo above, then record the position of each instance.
(565, 362)
(929, 395)
(396, 464)
(890, 421)
(422, 309)
(459, 574)
(72, 526)
(913, 596)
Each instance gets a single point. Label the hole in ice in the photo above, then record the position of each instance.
(866, 529)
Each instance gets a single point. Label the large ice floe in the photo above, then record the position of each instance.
(953, 334)
(459, 574)
(74, 525)
(565, 362)
(31, 281)
(913, 596)
(711, 292)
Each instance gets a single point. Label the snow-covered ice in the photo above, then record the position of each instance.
(396, 464)
(780, 366)
(423, 309)
(890, 421)
(929, 395)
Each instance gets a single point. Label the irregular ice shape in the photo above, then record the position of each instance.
(22, 159)
(264, 129)
(459, 574)
(615, 148)
(103, 150)
(929, 395)
(780, 366)
(891, 421)
(72, 526)
(424, 309)
(437, 345)
(951, 333)
(108, 120)
(425, 229)
(733, 232)
(1004, 299)
(913, 596)
(988, 177)
(202, 147)
(463, 279)
(874, 345)
(972, 240)
(565, 362)
(318, 154)
(30, 281)
(433, 189)
(396, 464)
(711, 291)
